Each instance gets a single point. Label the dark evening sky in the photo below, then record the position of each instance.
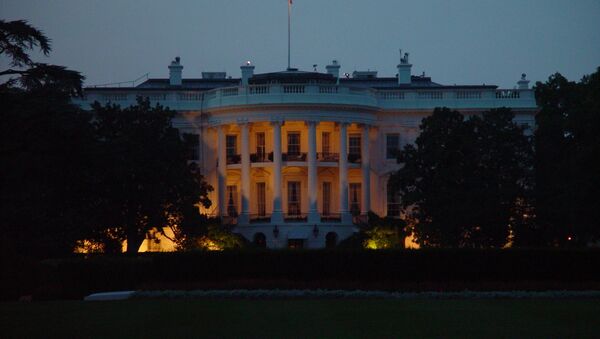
(458, 41)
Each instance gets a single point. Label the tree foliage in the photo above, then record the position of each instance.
(45, 145)
(17, 40)
(461, 182)
(568, 160)
(147, 180)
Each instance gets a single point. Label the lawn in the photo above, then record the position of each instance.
(420, 318)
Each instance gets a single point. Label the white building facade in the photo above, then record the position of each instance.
(298, 159)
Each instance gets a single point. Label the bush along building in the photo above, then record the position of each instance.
(298, 159)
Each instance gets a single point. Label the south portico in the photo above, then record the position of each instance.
(292, 176)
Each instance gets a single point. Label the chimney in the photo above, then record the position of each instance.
(523, 83)
(175, 69)
(334, 69)
(247, 72)
(404, 70)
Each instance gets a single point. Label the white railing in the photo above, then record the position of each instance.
(325, 94)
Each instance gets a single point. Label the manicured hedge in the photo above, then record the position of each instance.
(77, 276)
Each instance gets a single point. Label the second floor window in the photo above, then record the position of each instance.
(231, 145)
(392, 146)
(354, 145)
(260, 145)
(325, 143)
(293, 143)
(192, 144)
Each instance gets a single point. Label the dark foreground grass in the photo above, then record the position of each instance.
(421, 318)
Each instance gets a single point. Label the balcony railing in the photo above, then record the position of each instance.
(354, 158)
(328, 157)
(295, 217)
(293, 156)
(260, 218)
(261, 157)
(331, 217)
(234, 159)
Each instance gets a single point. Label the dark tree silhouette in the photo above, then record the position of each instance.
(17, 40)
(146, 179)
(461, 181)
(568, 160)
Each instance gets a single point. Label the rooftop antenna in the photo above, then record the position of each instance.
(289, 32)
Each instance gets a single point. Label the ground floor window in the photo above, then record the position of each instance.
(331, 240)
(326, 198)
(355, 199)
(232, 199)
(261, 199)
(295, 243)
(393, 203)
(260, 240)
(294, 207)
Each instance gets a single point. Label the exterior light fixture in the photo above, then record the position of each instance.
(275, 231)
(316, 231)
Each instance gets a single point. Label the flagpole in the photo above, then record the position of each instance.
(289, 30)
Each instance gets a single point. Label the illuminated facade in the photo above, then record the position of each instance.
(297, 159)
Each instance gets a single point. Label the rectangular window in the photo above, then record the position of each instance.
(231, 145)
(325, 137)
(393, 203)
(260, 146)
(261, 199)
(354, 145)
(326, 198)
(232, 199)
(293, 143)
(392, 146)
(355, 199)
(192, 144)
(294, 198)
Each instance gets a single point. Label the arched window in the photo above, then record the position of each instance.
(260, 240)
(331, 240)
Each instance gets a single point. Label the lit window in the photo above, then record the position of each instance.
(232, 201)
(355, 199)
(293, 143)
(294, 198)
(393, 203)
(354, 145)
(231, 145)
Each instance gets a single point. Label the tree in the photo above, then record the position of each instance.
(17, 39)
(46, 150)
(147, 181)
(567, 161)
(461, 181)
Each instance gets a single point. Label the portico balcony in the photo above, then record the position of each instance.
(301, 157)
(295, 217)
(234, 159)
(328, 157)
(260, 218)
(329, 217)
(261, 157)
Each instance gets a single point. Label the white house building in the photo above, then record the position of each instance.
(297, 159)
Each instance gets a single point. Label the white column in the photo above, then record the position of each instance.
(277, 216)
(245, 215)
(366, 171)
(313, 213)
(343, 174)
(222, 171)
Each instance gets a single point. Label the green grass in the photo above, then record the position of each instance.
(421, 318)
